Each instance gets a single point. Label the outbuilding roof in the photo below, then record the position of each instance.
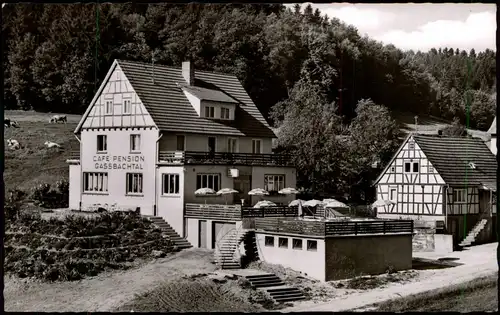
(452, 158)
(171, 110)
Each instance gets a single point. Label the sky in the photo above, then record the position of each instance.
(420, 26)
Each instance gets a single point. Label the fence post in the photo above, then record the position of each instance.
(383, 225)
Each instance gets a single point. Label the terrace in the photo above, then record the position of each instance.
(285, 220)
(223, 158)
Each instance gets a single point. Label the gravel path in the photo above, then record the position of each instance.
(103, 293)
(478, 261)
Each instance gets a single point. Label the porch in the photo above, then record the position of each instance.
(222, 158)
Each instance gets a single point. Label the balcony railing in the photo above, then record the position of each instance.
(236, 212)
(223, 158)
(74, 155)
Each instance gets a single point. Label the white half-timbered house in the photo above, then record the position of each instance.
(153, 135)
(448, 180)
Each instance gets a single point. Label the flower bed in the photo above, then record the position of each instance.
(77, 247)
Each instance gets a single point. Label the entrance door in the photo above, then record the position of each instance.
(243, 185)
(219, 229)
(211, 144)
(180, 143)
(202, 234)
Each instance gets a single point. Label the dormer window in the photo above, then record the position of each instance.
(209, 111)
(224, 113)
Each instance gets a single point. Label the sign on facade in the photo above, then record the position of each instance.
(119, 162)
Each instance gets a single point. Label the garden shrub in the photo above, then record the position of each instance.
(46, 197)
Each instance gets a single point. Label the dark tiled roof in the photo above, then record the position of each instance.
(209, 95)
(172, 111)
(450, 156)
(493, 128)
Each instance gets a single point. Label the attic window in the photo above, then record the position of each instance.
(209, 112)
(472, 165)
(411, 145)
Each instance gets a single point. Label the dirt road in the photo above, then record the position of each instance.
(102, 293)
(478, 261)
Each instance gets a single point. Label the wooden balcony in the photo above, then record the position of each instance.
(223, 158)
(323, 228)
(236, 212)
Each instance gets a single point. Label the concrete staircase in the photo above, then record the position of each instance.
(227, 249)
(176, 239)
(275, 287)
(471, 237)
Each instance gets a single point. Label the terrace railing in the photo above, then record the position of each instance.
(207, 211)
(368, 227)
(224, 158)
(278, 211)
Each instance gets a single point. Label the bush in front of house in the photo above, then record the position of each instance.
(45, 196)
(77, 247)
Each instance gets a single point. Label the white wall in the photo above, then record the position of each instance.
(193, 228)
(310, 262)
(75, 187)
(171, 207)
(493, 144)
(118, 142)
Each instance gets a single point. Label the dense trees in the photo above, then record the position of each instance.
(303, 63)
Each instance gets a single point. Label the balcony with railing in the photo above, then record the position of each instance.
(223, 158)
(236, 212)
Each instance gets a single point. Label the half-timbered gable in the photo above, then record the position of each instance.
(411, 182)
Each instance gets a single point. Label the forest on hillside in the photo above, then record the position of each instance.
(299, 67)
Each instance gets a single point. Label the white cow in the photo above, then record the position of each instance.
(13, 144)
(58, 118)
(50, 144)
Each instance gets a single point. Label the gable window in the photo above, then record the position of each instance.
(393, 194)
(273, 183)
(135, 143)
(127, 106)
(416, 167)
(209, 111)
(109, 107)
(170, 184)
(224, 113)
(256, 146)
(411, 145)
(102, 143)
(269, 241)
(95, 182)
(312, 245)
(459, 195)
(296, 243)
(393, 169)
(181, 140)
(411, 167)
(208, 181)
(283, 242)
(134, 183)
(232, 145)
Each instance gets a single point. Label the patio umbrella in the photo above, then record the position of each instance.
(288, 191)
(312, 203)
(296, 202)
(258, 192)
(205, 192)
(382, 203)
(264, 204)
(332, 203)
(227, 191)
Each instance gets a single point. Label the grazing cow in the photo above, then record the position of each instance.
(58, 118)
(13, 144)
(7, 122)
(50, 144)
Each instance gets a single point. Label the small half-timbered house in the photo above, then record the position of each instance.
(448, 180)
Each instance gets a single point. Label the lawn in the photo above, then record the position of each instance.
(34, 163)
(479, 295)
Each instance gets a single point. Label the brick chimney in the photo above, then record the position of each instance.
(188, 72)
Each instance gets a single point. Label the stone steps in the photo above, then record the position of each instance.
(227, 247)
(275, 287)
(176, 239)
(471, 237)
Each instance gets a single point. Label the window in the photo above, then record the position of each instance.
(181, 140)
(274, 182)
(412, 167)
(95, 182)
(208, 181)
(431, 169)
(232, 145)
(212, 143)
(256, 146)
(416, 167)
(283, 242)
(393, 169)
(109, 107)
(134, 183)
(127, 106)
(170, 184)
(102, 143)
(312, 245)
(393, 194)
(297, 243)
(411, 145)
(209, 111)
(459, 195)
(224, 113)
(135, 143)
(269, 241)
(407, 167)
